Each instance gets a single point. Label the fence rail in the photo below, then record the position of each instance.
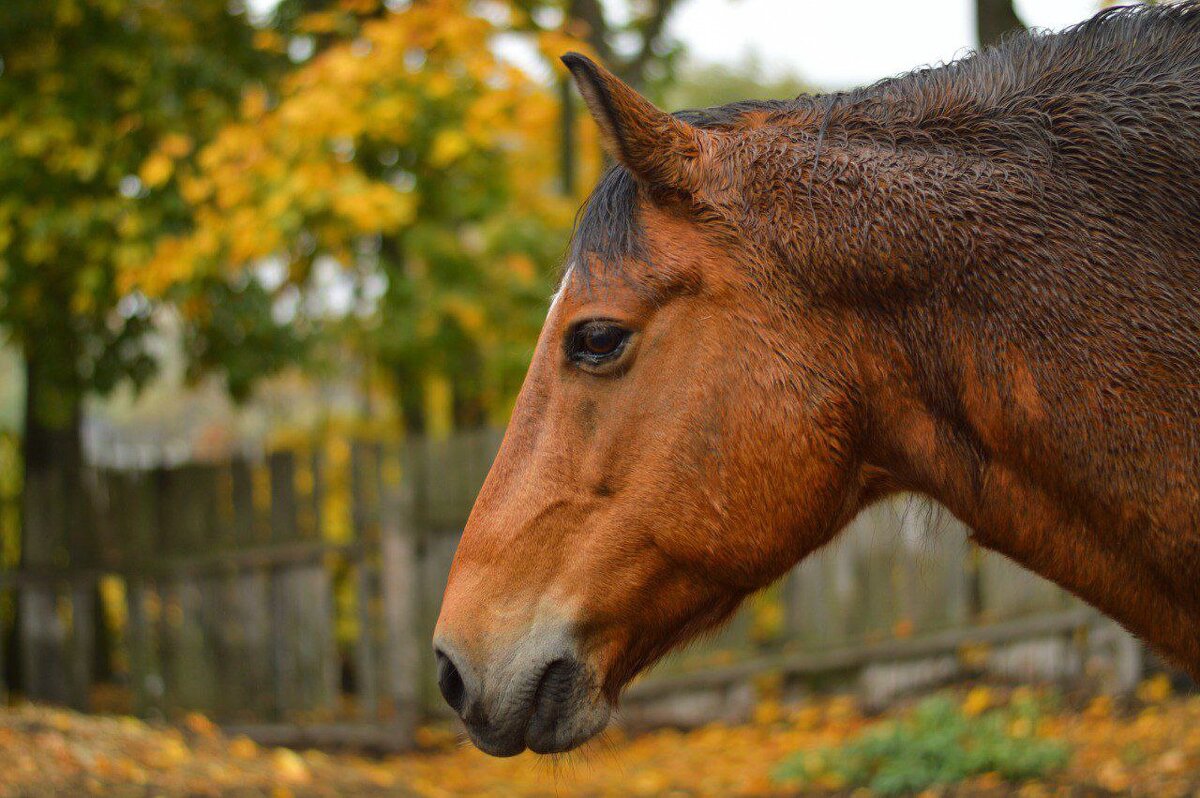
(300, 592)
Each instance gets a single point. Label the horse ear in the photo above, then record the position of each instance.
(653, 145)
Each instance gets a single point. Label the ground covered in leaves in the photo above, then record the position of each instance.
(1146, 746)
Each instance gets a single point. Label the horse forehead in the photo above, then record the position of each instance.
(601, 285)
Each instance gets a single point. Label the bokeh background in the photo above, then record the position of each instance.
(271, 272)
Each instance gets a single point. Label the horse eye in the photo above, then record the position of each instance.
(596, 342)
(602, 341)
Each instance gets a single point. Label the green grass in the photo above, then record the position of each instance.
(938, 744)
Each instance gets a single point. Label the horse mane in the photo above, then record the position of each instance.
(1033, 95)
(1040, 100)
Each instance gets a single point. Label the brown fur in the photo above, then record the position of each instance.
(979, 282)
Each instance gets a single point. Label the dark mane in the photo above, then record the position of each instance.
(1044, 101)
(1027, 96)
(607, 225)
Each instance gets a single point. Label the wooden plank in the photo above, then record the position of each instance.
(195, 665)
(401, 590)
(188, 668)
(144, 679)
(43, 634)
(82, 644)
(812, 663)
(366, 679)
(301, 599)
(956, 563)
(282, 517)
(194, 686)
(810, 597)
(1007, 590)
(366, 649)
(434, 557)
(325, 643)
(161, 484)
(212, 611)
(363, 495)
(134, 499)
(249, 600)
(43, 644)
(199, 564)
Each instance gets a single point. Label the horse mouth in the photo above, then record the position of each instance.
(563, 688)
(548, 709)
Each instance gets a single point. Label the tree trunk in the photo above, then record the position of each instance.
(567, 149)
(56, 530)
(994, 19)
(411, 393)
(469, 408)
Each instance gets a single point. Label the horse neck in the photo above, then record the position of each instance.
(965, 405)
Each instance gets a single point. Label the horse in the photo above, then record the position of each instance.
(978, 282)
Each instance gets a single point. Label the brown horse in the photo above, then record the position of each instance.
(978, 282)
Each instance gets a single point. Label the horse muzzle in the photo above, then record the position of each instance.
(539, 695)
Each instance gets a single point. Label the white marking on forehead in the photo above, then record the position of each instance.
(562, 286)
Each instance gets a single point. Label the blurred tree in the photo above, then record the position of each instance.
(637, 49)
(100, 102)
(304, 28)
(414, 159)
(705, 85)
(993, 19)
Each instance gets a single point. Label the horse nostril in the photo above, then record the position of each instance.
(556, 682)
(450, 682)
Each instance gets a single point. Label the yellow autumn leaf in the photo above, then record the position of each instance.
(243, 748)
(156, 170)
(254, 103)
(290, 766)
(269, 41)
(200, 725)
(440, 85)
(978, 700)
(175, 145)
(1155, 689)
(448, 146)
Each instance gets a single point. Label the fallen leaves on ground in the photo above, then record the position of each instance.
(1150, 746)
(53, 752)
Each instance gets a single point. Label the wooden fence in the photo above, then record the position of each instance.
(239, 594)
(229, 588)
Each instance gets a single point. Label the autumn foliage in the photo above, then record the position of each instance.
(414, 158)
(1150, 746)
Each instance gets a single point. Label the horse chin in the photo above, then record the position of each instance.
(569, 729)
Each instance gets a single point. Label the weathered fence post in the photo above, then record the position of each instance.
(44, 667)
(1129, 660)
(82, 640)
(184, 523)
(283, 522)
(251, 601)
(300, 598)
(145, 682)
(321, 586)
(365, 673)
(133, 508)
(399, 575)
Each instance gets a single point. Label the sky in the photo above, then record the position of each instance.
(844, 43)
(832, 44)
